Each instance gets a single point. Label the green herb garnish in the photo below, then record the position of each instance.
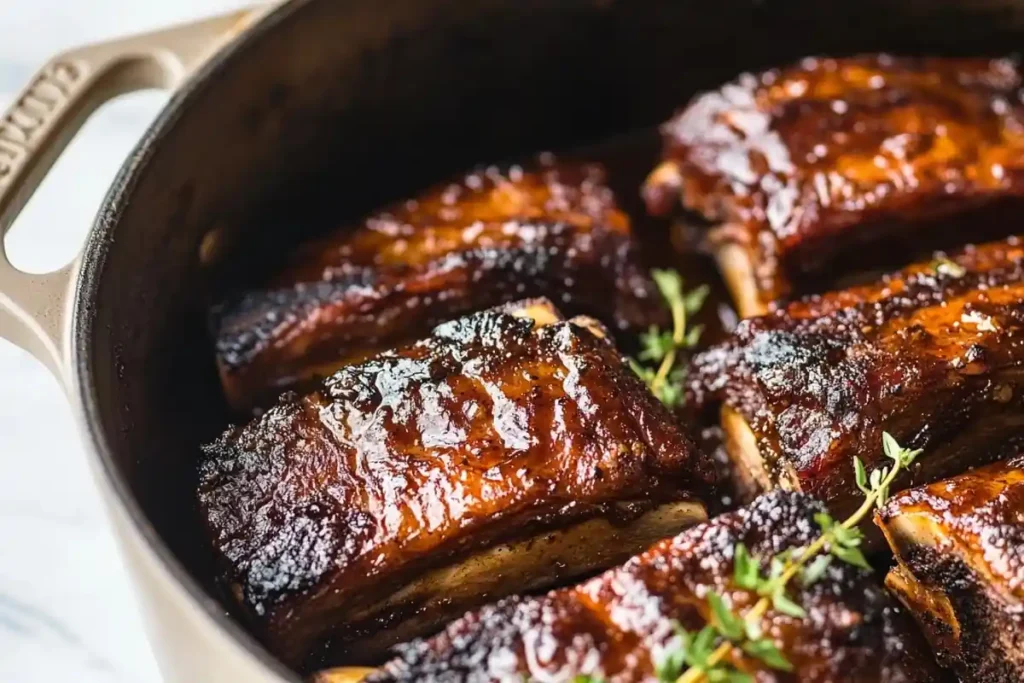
(704, 654)
(943, 266)
(660, 349)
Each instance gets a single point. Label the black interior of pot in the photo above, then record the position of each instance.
(335, 106)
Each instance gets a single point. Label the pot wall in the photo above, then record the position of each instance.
(327, 109)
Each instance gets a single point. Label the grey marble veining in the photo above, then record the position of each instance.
(66, 610)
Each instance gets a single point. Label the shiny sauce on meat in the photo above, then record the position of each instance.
(664, 244)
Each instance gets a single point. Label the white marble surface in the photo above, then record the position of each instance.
(66, 610)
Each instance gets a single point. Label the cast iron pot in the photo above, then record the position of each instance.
(292, 117)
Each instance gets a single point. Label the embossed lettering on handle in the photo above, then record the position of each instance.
(51, 90)
(42, 120)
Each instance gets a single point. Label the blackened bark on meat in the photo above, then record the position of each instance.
(933, 354)
(959, 545)
(491, 238)
(618, 626)
(498, 455)
(807, 171)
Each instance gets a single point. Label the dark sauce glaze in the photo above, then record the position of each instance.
(926, 354)
(799, 163)
(564, 229)
(492, 236)
(628, 157)
(981, 515)
(817, 380)
(397, 464)
(616, 626)
(966, 584)
(666, 245)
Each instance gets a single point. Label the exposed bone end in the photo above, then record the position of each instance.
(348, 674)
(910, 532)
(541, 311)
(535, 563)
(513, 568)
(932, 609)
(930, 606)
(754, 472)
(661, 190)
(751, 474)
(738, 273)
(965, 616)
(748, 468)
(593, 325)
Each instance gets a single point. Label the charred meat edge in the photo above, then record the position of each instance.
(973, 623)
(757, 463)
(635, 631)
(442, 593)
(803, 170)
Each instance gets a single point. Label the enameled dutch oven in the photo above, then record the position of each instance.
(291, 117)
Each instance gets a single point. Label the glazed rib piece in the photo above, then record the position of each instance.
(494, 237)
(934, 355)
(618, 626)
(507, 451)
(959, 545)
(795, 166)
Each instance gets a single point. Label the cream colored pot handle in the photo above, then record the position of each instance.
(34, 309)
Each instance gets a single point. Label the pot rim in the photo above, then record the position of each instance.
(78, 339)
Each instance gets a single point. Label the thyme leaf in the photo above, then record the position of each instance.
(706, 654)
(726, 623)
(662, 348)
(944, 266)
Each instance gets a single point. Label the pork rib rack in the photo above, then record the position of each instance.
(959, 545)
(933, 354)
(838, 164)
(507, 451)
(491, 238)
(619, 626)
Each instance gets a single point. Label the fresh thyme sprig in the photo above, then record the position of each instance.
(944, 266)
(662, 347)
(703, 654)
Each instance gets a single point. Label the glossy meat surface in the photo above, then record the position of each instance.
(960, 548)
(491, 238)
(796, 164)
(934, 355)
(616, 626)
(494, 430)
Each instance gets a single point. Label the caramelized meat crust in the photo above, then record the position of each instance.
(491, 238)
(959, 545)
(413, 485)
(618, 626)
(796, 164)
(933, 354)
